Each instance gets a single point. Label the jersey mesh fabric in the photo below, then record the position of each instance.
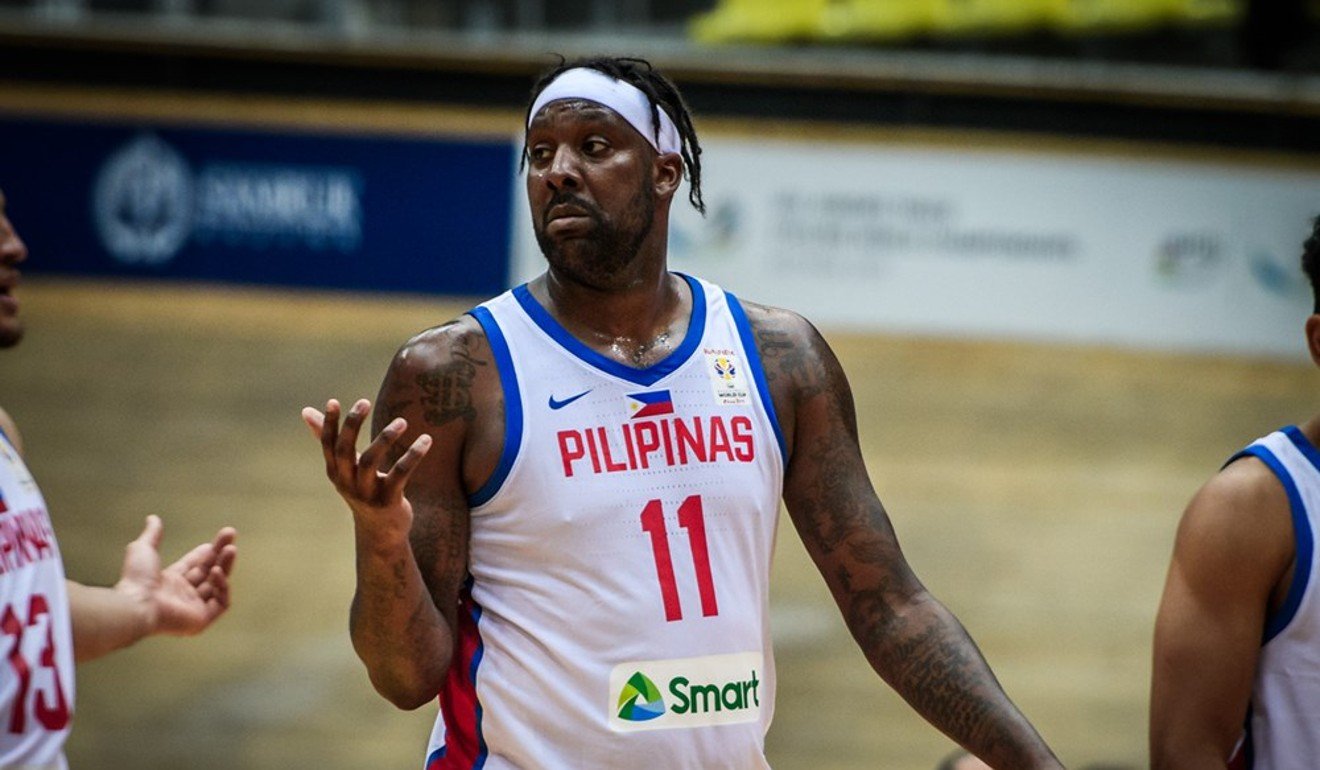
(631, 534)
(1283, 725)
(36, 682)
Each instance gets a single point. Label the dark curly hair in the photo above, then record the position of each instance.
(659, 90)
(1311, 261)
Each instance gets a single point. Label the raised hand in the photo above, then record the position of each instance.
(375, 497)
(186, 597)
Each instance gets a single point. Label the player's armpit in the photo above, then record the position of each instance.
(1233, 550)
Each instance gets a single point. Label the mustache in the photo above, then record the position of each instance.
(567, 198)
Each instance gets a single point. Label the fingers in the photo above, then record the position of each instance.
(356, 476)
(346, 456)
(215, 590)
(371, 458)
(329, 435)
(314, 419)
(228, 557)
(196, 563)
(398, 475)
(151, 533)
(224, 543)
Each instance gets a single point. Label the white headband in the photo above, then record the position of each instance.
(624, 98)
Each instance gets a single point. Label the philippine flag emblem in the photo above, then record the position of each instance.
(650, 404)
(3, 507)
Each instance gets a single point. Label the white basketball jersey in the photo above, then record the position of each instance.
(620, 555)
(36, 678)
(1283, 724)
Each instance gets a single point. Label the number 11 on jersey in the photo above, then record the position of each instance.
(691, 518)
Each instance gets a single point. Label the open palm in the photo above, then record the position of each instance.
(187, 596)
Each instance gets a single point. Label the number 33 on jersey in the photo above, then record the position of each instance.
(36, 677)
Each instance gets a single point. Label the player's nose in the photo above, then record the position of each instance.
(563, 170)
(12, 248)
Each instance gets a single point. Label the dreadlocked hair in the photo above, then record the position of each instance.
(1311, 261)
(660, 92)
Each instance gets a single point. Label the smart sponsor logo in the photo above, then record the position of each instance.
(686, 692)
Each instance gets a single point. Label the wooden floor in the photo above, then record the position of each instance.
(1035, 490)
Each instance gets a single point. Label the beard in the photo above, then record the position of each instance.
(600, 259)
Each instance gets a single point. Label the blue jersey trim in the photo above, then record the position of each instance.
(648, 376)
(482, 751)
(1305, 542)
(758, 371)
(513, 413)
(1303, 444)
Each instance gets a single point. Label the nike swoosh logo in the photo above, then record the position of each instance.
(561, 404)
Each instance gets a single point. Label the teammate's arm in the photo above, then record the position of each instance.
(407, 495)
(1234, 547)
(182, 599)
(910, 639)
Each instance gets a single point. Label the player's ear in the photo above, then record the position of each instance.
(1313, 337)
(668, 174)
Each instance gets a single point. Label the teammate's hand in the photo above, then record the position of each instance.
(375, 497)
(186, 597)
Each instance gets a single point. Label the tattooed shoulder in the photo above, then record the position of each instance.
(438, 374)
(791, 351)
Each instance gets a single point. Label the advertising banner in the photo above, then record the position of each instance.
(260, 207)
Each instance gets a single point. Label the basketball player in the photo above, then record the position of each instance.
(593, 464)
(1236, 676)
(48, 622)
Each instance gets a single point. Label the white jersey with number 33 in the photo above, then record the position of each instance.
(36, 677)
(620, 555)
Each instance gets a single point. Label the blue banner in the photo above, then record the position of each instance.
(260, 207)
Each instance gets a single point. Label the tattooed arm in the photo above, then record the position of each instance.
(438, 429)
(910, 639)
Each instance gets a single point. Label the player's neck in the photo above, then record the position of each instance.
(1311, 429)
(636, 324)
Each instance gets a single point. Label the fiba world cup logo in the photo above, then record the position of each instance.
(726, 377)
(725, 369)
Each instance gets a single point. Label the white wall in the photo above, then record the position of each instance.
(1160, 253)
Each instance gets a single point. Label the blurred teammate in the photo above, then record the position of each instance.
(1236, 676)
(593, 464)
(49, 622)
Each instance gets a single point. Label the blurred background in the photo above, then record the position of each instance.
(1054, 242)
